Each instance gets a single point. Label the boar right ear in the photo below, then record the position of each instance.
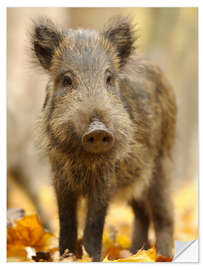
(121, 33)
(45, 39)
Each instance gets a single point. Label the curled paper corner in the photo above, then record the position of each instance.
(186, 251)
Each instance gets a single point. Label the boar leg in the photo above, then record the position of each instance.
(162, 210)
(67, 204)
(140, 227)
(94, 229)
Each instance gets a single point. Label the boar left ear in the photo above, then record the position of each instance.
(121, 33)
(45, 39)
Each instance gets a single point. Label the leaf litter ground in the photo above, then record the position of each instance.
(27, 240)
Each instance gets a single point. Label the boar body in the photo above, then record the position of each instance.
(108, 127)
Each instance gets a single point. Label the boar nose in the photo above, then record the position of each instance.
(98, 139)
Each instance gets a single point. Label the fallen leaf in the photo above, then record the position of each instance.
(163, 259)
(141, 256)
(27, 231)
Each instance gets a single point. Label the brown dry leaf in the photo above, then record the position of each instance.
(163, 259)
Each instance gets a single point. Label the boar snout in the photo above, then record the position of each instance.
(98, 139)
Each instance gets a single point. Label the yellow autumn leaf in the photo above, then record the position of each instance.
(141, 256)
(123, 241)
(27, 232)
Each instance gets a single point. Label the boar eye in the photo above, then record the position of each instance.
(67, 81)
(109, 79)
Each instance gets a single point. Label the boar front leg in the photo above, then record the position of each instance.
(67, 204)
(94, 228)
(162, 210)
(141, 226)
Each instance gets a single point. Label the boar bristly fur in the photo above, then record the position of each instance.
(108, 128)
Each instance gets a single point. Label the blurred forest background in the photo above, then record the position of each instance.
(168, 36)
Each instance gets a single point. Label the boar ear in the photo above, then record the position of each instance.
(121, 33)
(45, 38)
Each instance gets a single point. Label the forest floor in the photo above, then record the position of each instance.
(28, 241)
